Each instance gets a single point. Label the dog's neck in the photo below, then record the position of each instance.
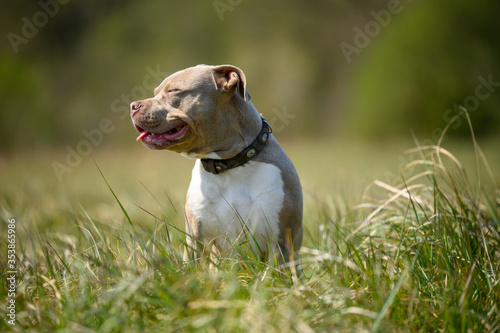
(218, 166)
(227, 136)
(242, 128)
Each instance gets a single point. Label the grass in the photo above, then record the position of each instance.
(419, 253)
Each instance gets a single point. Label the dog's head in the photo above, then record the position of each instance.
(192, 110)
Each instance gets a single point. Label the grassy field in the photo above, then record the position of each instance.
(416, 251)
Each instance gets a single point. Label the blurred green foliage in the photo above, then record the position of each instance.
(89, 59)
(433, 56)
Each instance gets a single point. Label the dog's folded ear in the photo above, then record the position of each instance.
(226, 77)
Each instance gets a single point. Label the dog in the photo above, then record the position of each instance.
(244, 188)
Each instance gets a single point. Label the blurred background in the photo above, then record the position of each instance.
(309, 58)
(339, 78)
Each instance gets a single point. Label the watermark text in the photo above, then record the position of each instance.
(223, 6)
(95, 136)
(11, 272)
(363, 37)
(31, 27)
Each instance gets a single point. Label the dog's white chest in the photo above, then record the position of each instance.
(241, 200)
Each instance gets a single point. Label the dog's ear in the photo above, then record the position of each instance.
(226, 77)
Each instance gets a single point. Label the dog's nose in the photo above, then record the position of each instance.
(134, 107)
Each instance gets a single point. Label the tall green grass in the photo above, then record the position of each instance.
(419, 254)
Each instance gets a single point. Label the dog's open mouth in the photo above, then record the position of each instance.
(163, 139)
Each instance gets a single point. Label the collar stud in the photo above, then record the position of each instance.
(250, 153)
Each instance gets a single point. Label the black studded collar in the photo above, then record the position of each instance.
(219, 166)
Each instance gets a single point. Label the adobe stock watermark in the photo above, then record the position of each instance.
(223, 6)
(280, 119)
(455, 114)
(11, 272)
(363, 37)
(483, 91)
(31, 27)
(95, 136)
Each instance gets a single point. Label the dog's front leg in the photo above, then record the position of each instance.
(193, 247)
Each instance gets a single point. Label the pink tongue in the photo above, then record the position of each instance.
(142, 135)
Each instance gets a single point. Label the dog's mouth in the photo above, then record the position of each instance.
(175, 133)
